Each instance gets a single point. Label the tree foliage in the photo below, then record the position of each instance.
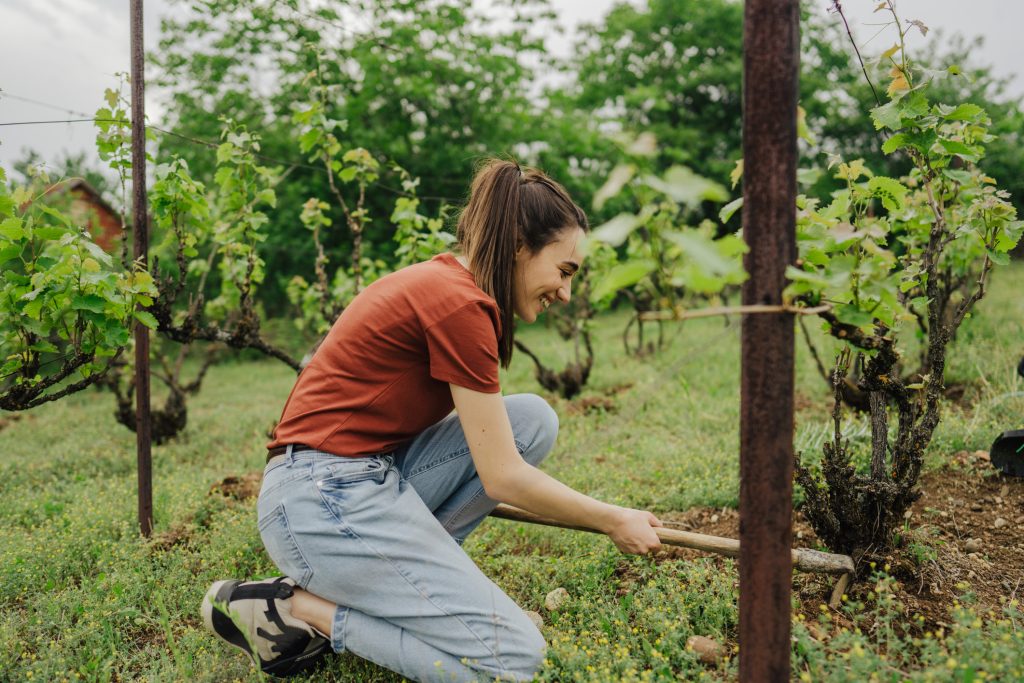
(434, 85)
(67, 305)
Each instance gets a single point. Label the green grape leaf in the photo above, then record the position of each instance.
(729, 209)
(686, 187)
(851, 315)
(964, 112)
(48, 232)
(11, 229)
(621, 276)
(9, 252)
(889, 190)
(88, 302)
(619, 176)
(895, 142)
(887, 116)
(147, 319)
(615, 231)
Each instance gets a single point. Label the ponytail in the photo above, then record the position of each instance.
(510, 208)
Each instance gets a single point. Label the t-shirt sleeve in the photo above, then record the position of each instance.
(463, 348)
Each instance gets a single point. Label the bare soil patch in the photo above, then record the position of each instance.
(7, 420)
(591, 404)
(240, 488)
(968, 527)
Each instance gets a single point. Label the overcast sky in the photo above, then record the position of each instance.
(66, 52)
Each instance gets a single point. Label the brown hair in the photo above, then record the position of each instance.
(510, 207)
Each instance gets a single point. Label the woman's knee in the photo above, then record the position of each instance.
(534, 424)
(523, 657)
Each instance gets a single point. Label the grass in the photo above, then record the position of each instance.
(85, 598)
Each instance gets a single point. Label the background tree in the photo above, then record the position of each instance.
(433, 85)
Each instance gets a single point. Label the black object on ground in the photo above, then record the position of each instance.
(1007, 453)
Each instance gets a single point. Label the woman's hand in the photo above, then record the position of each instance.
(632, 531)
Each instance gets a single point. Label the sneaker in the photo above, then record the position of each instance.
(255, 617)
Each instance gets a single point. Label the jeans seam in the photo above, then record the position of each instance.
(441, 461)
(462, 508)
(338, 623)
(351, 532)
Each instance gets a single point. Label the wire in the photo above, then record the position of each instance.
(214, 145)
(35, 123)
(4, 93)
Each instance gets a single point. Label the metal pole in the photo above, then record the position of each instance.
(771, 44)
(140, 226)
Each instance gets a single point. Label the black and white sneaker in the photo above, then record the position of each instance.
(255, 617)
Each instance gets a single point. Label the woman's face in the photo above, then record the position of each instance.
(543, 278)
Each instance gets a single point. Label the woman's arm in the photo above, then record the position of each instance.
(507, 478)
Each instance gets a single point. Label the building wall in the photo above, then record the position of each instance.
(103, 225)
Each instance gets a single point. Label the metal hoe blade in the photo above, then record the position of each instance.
(1007, 453)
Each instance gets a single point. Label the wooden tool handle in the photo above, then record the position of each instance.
(803, 559)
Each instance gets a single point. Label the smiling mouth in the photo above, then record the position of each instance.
(545, 302)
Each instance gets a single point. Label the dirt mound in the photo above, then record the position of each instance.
(966, 528)
(240, 488)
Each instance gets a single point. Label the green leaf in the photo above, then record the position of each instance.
(48, 232)
(147, 319)
(965, 112)
(56, 215)
(802, 131)
(959, 175)
(887, 116)
(267, 196)
(619, 176)
(11, 229)
(966, 152)
(895, 142)
(999, 258)
(6, 205)
(686, 187)
(348, 173)
(33, 308)
(851, 315)
(704, 251)
(309, 139)
(737, 173)
(729, 209)
(808, 176)
(621, 276)
(889, 190)
(9, 252)
(914, 105)
(615, 231)
(88, 302)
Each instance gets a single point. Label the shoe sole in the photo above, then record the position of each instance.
(219, 623)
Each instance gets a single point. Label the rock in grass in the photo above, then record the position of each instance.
(972, 545)
(708, 651)
(556, 598)
(535, 617)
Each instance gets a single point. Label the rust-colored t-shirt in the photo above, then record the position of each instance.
(381, 376)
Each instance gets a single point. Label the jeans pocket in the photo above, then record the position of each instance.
(281, 546)
(351, 470)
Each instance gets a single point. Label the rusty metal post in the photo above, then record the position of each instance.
(140, 224)
(771, 32)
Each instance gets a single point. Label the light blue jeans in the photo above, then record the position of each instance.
(380, 536)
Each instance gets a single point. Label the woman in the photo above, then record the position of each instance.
(372, 484)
